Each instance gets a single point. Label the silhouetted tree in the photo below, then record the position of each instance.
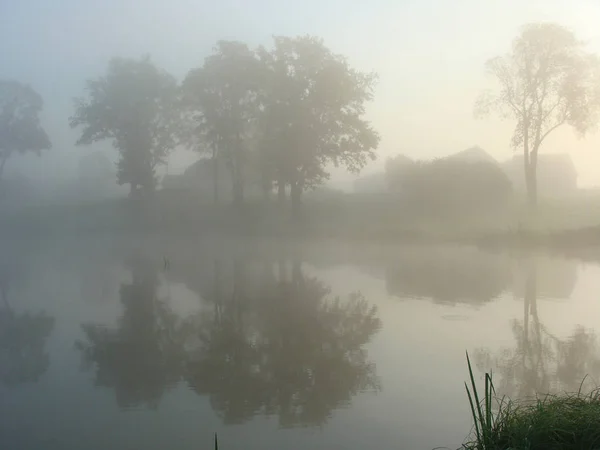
(140, 358)
(133, 105)
(220, 100)
(547, 80)
(313, 105)
(20, 128)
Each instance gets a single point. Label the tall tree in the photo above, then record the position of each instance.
(546, 81)
(220, 100)
(20, 128)
(313, 106)
(133, 105)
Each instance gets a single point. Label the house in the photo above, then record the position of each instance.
(556, 174)
(474, 154)
(371, 184)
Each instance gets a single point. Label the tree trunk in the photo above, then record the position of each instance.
(3, 160)
(281, 192)
(238, 192)
(237, 184)
(267, 187)
(215, 178)
(297, 277)
(296, 198)
(533, 197)
(530, 168)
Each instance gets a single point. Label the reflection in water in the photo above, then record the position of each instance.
(264, 342)
(22, 340)
(540, 361)
(453, 275)
(140, 358)
(282, 347)
(449, 275)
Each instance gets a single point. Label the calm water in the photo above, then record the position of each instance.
(158, 343)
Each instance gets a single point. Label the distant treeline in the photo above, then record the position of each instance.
(274, 119)
(279, 115)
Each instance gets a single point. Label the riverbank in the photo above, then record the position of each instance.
(550, 422)
(566, 225)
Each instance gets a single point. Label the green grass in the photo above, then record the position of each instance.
(551, 422)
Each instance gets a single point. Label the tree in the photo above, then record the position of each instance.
(220, 101)
(313, 105)
(546, 81)
(396, 169)
(133, 105)
(20, 128)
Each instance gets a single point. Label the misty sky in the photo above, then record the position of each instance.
(429, 55)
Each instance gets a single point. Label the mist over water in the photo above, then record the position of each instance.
(277, 344)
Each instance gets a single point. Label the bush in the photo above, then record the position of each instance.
(449, 186)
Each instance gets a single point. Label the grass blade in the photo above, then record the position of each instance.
(475, 393)
(474, 414)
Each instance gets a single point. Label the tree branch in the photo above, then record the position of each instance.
(550, 130)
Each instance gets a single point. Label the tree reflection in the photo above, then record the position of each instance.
(141, 357)
(540, 361)
(282, 346)
(222, 358)
(262, 342)
(23, 338)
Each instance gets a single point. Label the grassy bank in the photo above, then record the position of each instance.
(338, 215)
(566, 422)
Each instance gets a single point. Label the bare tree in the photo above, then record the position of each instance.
(546, 81)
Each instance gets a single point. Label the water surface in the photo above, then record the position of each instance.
(159, 342)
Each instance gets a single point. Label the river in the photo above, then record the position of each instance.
(159, 342)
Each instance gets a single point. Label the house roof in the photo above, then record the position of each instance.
(547, 162)
(474, 154)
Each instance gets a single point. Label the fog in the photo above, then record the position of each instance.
(429, 56)
(285, 222)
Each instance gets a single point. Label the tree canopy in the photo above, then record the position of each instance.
(220, 99)
(313, 108)
(133, 106)
(284, 113)
(20, 128)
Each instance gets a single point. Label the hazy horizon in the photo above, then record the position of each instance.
(429, 56)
